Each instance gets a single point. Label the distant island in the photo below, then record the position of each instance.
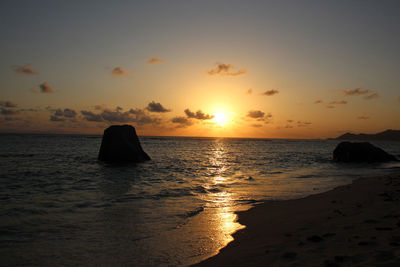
(388, 135)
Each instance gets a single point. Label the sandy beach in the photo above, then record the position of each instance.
(352, 225)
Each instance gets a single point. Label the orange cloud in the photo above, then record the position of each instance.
(270, 92)
(363, 117)
(45, 88)
(223, 69)
(25, 69)
(249, 92)
(318, 101)
(155, 60)
(371, 96)
(8, 104)
(118, 72)
(357, 91)
(342, 102)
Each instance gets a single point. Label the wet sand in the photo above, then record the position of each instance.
(352, 225)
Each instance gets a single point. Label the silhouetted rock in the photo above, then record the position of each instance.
(120, 143)
(360, 152)
(388, 135)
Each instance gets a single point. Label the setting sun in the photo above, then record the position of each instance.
(220, 118)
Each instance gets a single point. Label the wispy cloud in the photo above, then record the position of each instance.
(341, 102)
(354, 92)
(100, 107)
(7, 111)
(319, 101)
(270, 92)
(25, 69)
(155, 60)
(223, 69)
(156, 107)
(199, 115)
(182, 122)
(118, 72)
(45, 88)
(8, 104)
(303, 123)
(371, 96)
(363, 117)
(249, 91)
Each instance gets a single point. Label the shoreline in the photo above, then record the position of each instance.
(354, 224)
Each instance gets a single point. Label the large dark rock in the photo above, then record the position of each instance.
(360, 152)
(120, 143)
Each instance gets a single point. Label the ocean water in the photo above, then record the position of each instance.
(60, 206)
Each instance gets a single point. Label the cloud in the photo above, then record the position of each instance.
(303, 123)
(289, 121)
(56, 118)
(356, 91)
(69, 113)
(118, 72)
(156, 107)
(8, 104)
(100, 107)
(259, 116)
(318, 101)
(363, 117)
(256, 125)
(62, 115)
(90, 116)
(330, 106)
(155, 60)
(182, 122)
(110, 116)
(25, 69)
(9, 112)
(371, 96)
(270, 92)
(199, 115)
(45, 88)
(226, 70)
(341, 102)
(255, 114)
(249, 92)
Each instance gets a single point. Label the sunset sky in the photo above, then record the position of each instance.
(279, 69)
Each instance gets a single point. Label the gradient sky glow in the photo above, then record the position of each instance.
(79, 66)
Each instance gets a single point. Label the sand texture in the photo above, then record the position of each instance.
(352, 225)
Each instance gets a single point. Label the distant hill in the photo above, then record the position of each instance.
(388, 135)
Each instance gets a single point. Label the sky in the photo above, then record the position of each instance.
(262, 69)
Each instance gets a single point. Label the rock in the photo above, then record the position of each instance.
(120, 143)
(360, 152)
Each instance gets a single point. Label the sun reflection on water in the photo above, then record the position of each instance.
(222, 218)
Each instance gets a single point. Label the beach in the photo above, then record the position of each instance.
(352, 225)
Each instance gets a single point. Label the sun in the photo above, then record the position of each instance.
(220, 118)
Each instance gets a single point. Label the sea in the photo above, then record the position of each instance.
(61, 206)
